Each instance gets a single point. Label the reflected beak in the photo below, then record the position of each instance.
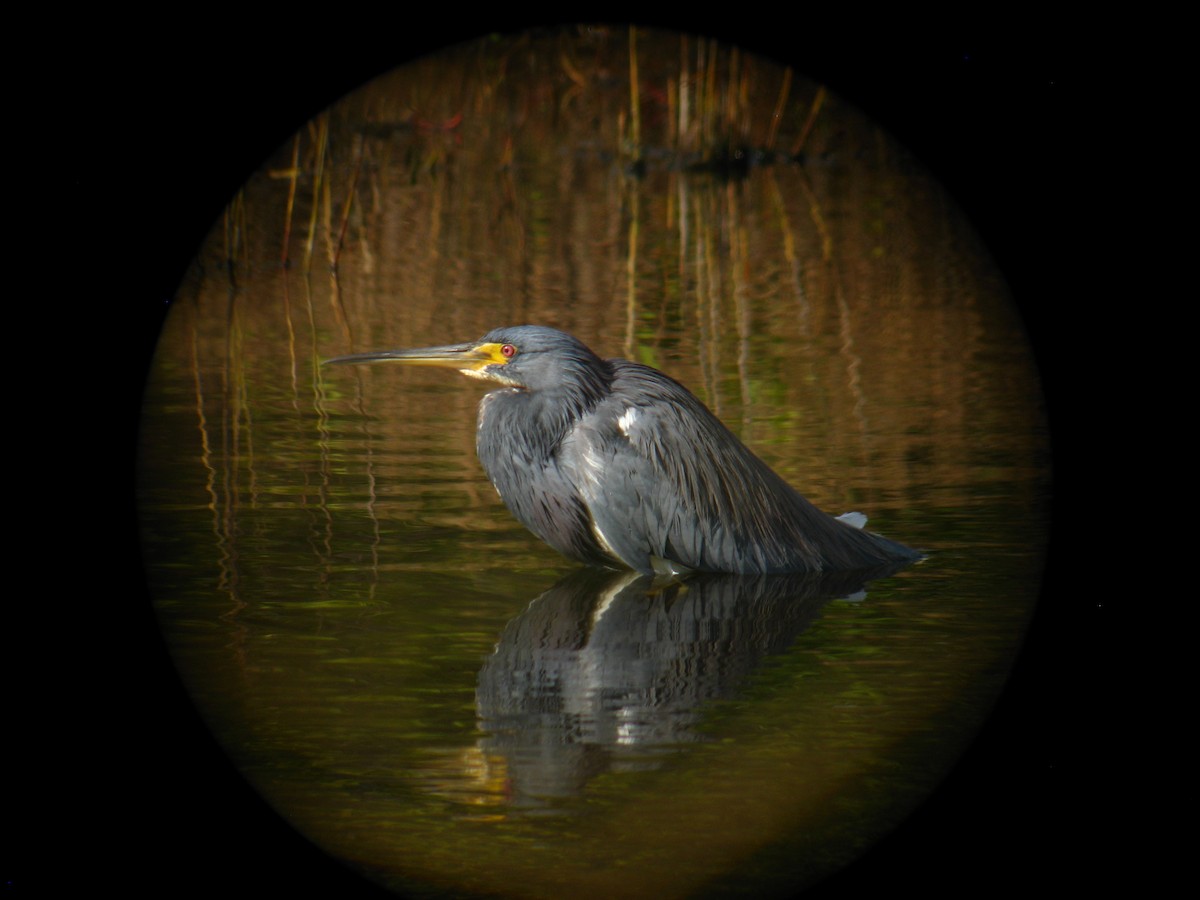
(470, 359)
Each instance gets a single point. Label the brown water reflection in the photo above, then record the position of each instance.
(344, 593)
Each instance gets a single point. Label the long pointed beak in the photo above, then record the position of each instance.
(467, 358)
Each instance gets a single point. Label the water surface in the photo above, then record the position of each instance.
(420, 686)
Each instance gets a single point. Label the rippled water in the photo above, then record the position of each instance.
(420, 686)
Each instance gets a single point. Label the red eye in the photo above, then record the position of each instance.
(508, 351)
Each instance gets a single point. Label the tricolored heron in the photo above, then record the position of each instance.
(611, 462)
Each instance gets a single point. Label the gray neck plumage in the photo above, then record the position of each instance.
(544, 417)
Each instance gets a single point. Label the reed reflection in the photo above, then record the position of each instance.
(332, 569)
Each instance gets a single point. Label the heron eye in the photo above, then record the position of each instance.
(508, 351)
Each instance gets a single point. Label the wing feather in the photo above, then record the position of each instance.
(664, 478)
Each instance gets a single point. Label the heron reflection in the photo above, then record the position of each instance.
(606, 671)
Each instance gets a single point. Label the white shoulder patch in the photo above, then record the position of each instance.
(627, 420)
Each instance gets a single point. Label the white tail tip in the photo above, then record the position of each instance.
(853, 519)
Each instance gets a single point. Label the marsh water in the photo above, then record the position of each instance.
(419, 685)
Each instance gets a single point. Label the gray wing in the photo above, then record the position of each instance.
(669, 488)
(666, 483)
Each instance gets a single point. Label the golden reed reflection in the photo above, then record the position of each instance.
(826, 302)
